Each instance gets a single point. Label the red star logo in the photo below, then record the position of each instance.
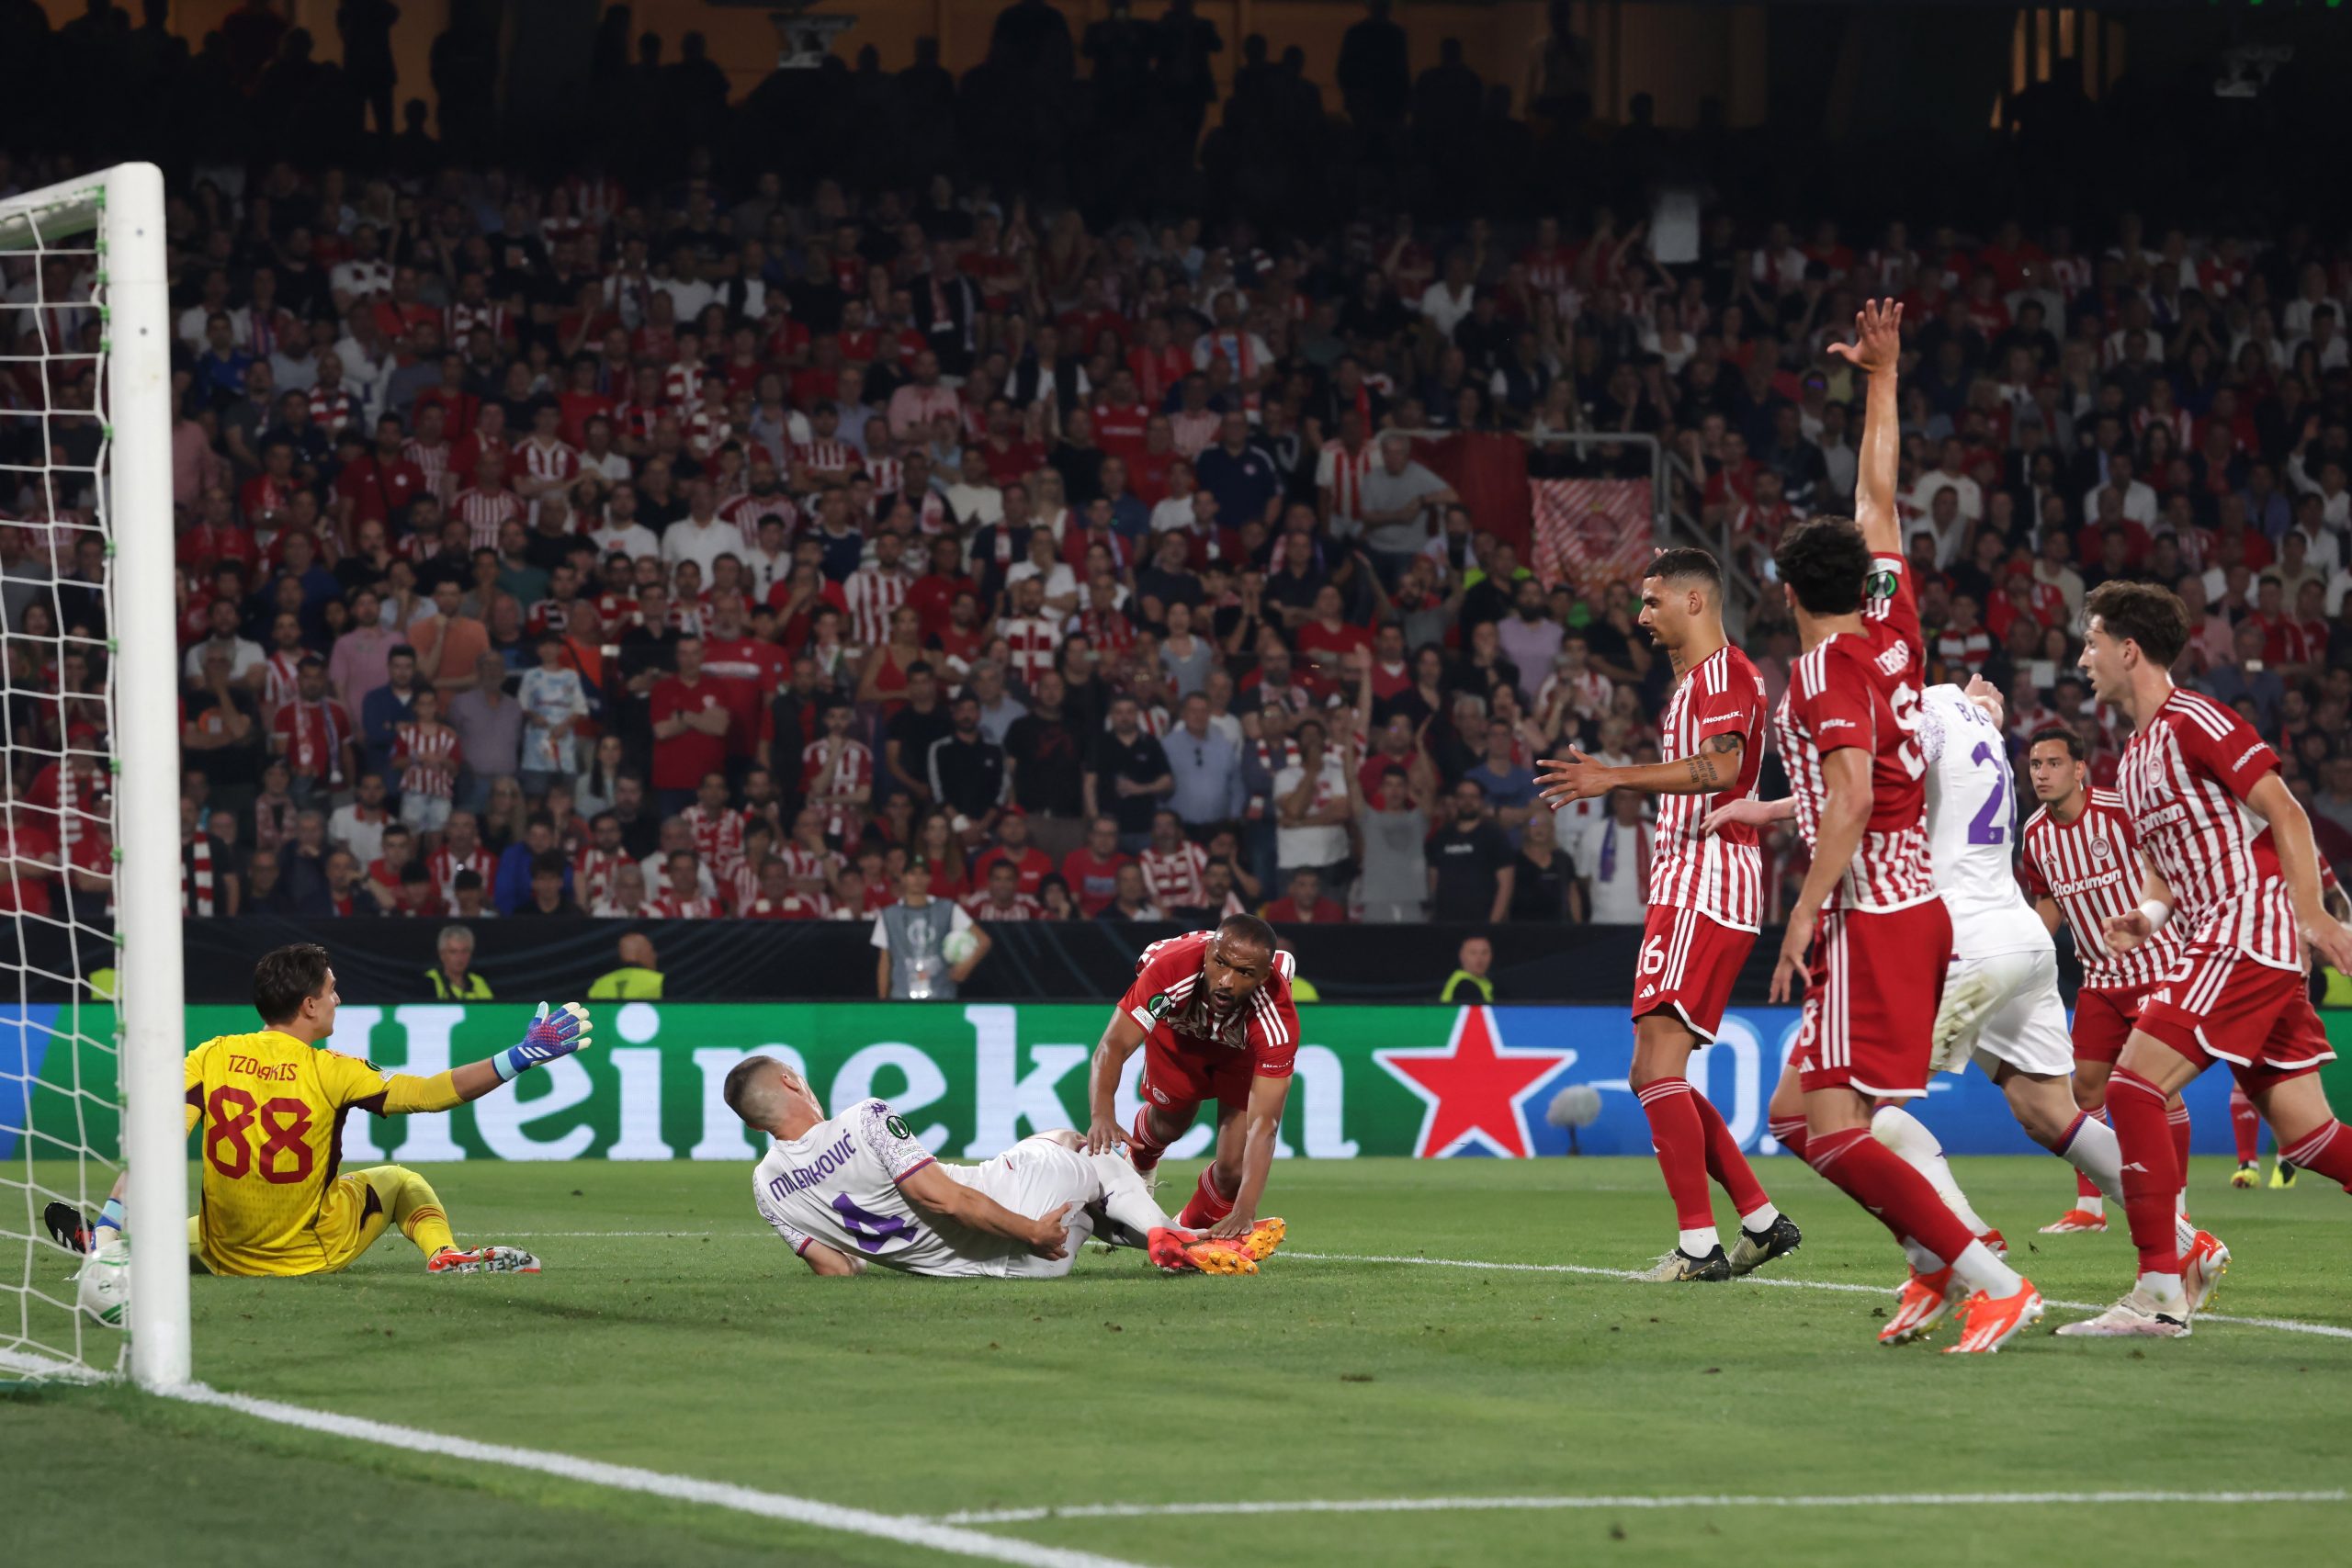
(1473, 1087)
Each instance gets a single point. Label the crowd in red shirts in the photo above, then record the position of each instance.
(685, 548)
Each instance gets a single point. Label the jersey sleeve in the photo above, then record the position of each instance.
(783, 1227)
(1931, 723)
(1274, 1023)
(2228, 747)
(1729, 707)
(1839, 714)
(1890, 598)
(1162, 962)
(2029, 875)
(888, 1139)
(347, 1080)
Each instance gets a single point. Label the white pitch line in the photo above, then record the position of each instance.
(933, 1534)
(2283, 1325)
(1482, 1504)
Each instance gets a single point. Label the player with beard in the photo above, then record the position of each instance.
(1705, 901)
(1213, 1012)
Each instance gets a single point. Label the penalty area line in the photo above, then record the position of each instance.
(1506, 1505)
(934, 1534)
(2282, 1325)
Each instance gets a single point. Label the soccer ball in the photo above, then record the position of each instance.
(103, 1287)
(959, 946)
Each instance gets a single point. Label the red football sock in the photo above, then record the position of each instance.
(2178, 1117)
(2151, 1184)
(1790, 1133)
(2246, 1125)
(2327, 1152)
(1886, 1184)
(1681, 1141)
(1725, 1164)
(2085, 1187)
(1208, 1205)
(1143, 1149)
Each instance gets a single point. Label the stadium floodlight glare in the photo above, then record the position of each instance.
(97, 1003)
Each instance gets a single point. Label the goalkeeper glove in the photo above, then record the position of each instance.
(551, 1034)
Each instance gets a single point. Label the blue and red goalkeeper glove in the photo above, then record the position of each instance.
(551, 1034)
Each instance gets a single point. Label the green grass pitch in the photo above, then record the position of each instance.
(671, 1331)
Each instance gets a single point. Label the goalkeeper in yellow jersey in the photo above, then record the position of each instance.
(272, 1105)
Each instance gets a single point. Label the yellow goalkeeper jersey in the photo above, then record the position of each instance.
(272, 1109)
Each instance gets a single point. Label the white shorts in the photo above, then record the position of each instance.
(2004, 1008)
(1034, 1178)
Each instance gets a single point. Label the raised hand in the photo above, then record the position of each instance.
(1878, 338)
(554, 1033)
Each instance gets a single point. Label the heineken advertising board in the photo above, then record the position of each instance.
(971, 1078)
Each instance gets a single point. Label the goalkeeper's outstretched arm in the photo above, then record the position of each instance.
(553, 1034)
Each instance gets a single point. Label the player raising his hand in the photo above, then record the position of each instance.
(272, 1104)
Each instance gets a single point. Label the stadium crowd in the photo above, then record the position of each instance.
(693, 549)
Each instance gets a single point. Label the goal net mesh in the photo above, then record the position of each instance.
(60, 1109)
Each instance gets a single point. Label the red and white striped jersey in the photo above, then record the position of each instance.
(1179, 879)
(670, 907)
(281, 679)
(460, 320)
(2185, 779)
(444, 865)
(791, 906)
(593, 871)
(485, 512)
(888, 474)
(2090, 868)
(1718, 875)
(809, 866)
(413, 746)
(747, 512)
(718, 838)
(332, 409)
(980, 906)
(873, 595)
(432, 461)
(1863, 690)
(836, 457)
(839, 774)
(553, 461)
(1343, 472)
(1031, 642)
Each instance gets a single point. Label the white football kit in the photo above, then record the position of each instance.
(839, 1184)
(2001, 1000)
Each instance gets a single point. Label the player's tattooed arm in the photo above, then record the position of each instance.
(1714, 766)
(1708, 766)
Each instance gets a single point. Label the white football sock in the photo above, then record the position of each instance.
(1759, 1219)
(1701, 1242)
(1125, 1197)
(2094, 1153)
(1907, 1136)
(2165, 1292)
(1982, 1271)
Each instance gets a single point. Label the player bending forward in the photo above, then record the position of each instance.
(1867, 932)
(1705, 900)
(860, 1189)
(1212, 1011)
(2082, 863)
(273, 1105)
(2001, 1007)
(2232, 856)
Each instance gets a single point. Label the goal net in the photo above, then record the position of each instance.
(90, 1027)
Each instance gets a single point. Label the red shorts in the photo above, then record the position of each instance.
(1689, 962)
(1871, 990)
(2103, 1021)
(1177, 1077)
(2218, 1004)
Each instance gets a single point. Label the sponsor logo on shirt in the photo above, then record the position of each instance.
(1829, 724)
(2247, 755)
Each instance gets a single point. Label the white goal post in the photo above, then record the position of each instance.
(105, 232)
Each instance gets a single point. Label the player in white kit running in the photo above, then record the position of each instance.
(860, 1187)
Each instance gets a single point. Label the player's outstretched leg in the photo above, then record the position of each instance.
(2089, 1087)
(2245, 1133)
(1127, 1204)
(1907, 1136)
(411, 1204)
(2159, 1303)
(1694, 1146)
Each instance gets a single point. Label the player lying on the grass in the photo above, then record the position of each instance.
(1706, 902)
(860, 1187)
(1867, 933)
(1212, 1013)
(273, 1105)
(2231, 855)
(2001, 1007)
